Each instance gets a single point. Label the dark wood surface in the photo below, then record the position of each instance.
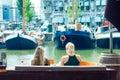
(59, 73)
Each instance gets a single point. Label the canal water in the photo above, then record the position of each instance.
(23, 57)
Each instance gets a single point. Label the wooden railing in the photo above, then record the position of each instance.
(58, 73)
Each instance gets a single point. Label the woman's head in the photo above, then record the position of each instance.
(39, 54)
(39, 50)
(70, 48)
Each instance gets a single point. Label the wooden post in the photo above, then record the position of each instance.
(24, 16)
(74, 10)
(111, 40)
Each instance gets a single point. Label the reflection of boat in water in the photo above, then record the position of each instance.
(102, 36)
(81, 38)
(48, 36)
(20, 42)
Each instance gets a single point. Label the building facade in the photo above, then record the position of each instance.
(9, 11)
(92, 11)
(55, 11)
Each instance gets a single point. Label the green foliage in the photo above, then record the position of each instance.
(28, 4)
(79, 11)
(19, 5)
(69, 11)
(29, 12)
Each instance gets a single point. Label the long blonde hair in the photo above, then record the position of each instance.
(39, 55)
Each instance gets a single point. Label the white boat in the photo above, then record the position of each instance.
(102, 37)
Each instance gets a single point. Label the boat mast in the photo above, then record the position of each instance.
(74, 10)
(24, 16)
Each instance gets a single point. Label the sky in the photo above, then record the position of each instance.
(37, 6)
(36, 2)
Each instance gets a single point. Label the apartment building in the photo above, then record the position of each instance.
(8, 11)
(92, 11)
(55, 11)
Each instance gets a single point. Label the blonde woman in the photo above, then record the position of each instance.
(71, 59)
(39, 58)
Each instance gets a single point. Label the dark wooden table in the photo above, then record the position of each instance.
(59, 73)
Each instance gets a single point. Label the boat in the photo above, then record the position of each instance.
(46, 29)
(40, 37)
(48, 36)
(20, 42)
(102, 37)
(81, 37)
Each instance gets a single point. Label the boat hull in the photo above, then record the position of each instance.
(81, 40)
(48, 36)
(20, 42)
(103, 40)
(102, 37)
(105, 43)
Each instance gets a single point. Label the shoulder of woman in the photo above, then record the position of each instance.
(46, 61)
(66, 56)
(63, 60)
(78, 57)
(46, 58)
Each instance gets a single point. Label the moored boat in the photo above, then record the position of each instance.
(81, 38)
(102, 37)
(20, 42)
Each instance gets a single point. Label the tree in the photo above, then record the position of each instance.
(79, 11)
(29, 11)
(74, 9)
(19, 6)
(69, 11)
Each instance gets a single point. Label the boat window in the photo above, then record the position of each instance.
(104, 29)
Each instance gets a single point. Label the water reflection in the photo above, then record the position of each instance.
(23, 57)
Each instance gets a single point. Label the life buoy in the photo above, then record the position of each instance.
(62, 38)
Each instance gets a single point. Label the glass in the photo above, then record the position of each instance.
(51, 61)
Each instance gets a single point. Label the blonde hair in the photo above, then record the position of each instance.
(70, 46)
(39, 56)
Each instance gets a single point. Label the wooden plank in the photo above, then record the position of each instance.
(58, 75)
(57, 68)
